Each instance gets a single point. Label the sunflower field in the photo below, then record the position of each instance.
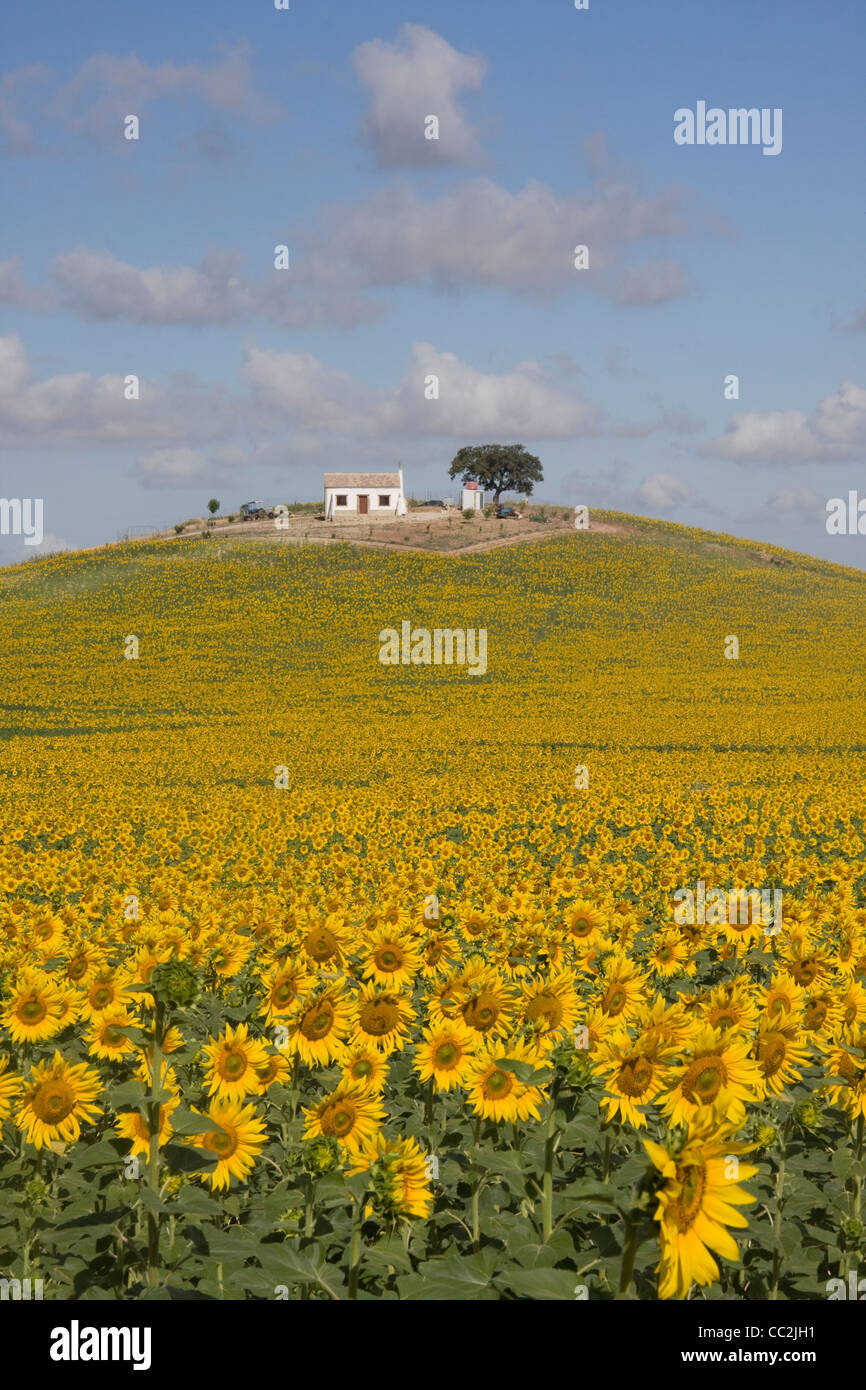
(326, 980)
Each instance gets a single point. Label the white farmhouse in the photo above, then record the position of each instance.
(364, 494)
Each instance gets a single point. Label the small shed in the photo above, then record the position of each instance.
(364, 494)
(472, 498)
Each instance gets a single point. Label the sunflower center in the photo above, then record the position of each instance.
(388, 958)
(76, 968)
(101, 998)
(498, 1084)
(547, 1007)
(321, 944)
(446, 1055)
(805, 970)
(635, 1075)
(815, 1013)
(338, 1119)
(614, 1000)
(665, 954)
(687, 1205)
(53, 1102)
(234, 1065)
(317, 1021)
(379, 1016)
(224, 1143)
(771, 1053)
(32, 1011)
(703, 1080)
(111, 1038)
(362, 1068)
(482, 1012)
(284, 993)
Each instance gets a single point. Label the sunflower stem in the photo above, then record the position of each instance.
(355, 1252)
(153, 1150)
(308, 1217)
(549, 1143)
(777, 1219)
(428, 1112)
(629, 1250)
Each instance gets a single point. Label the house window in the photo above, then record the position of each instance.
(341, 499)
(384, 499)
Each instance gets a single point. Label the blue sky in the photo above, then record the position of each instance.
(411, 257)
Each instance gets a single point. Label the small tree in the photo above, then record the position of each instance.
(213, 506)
(498, 468)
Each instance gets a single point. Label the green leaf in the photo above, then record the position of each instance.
(103, 1154)
(541, 1283)
(186, 1122)
(180, 1158)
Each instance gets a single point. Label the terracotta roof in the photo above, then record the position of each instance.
(362, 480)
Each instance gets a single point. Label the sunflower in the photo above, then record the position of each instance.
(784, 998)
(848, 1094)
(398, 1173)
(10, 1085)
(276, 1070)
(489, 1006)
(731, 1008)
(583, 922)
(390, 959)
(56, 1099)
(437, 952)
(633, 1073)
(670, 955)
(445, 1054)
(233, 1060)
(495, 1092)
(781, 1056)
(550, 1006)
(326, 943)
(317, 1029)
(237, 1142)
(623, 989)
(34, 1010)
(105, 1041)
(852, 1007)
(697, 1201)
(105, 990)
(132, 1124)
(284, 987)
(350, 1114)
(473, 925)
(365, 1066)
(230, 956)
(718, 1076)
(381, 1017)
(48, 936)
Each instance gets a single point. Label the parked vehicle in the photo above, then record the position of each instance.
(506, 511)
(255, 511)
(433, 504)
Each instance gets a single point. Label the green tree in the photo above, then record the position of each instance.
(213, 506)
(498, 468)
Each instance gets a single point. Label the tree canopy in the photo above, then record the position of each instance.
(498, 468)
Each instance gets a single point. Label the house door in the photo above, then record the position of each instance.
(363, 504)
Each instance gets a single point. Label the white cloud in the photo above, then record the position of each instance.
(654, 282)
(318, 399)
(420, 75)
(77, 408)
(14, 291)
(480, 234)
(835, 430)
(106, 87)
(171, 468)
(96, 285)
(664, 491)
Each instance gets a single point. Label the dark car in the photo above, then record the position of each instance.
(506, 511)
(433, 504)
